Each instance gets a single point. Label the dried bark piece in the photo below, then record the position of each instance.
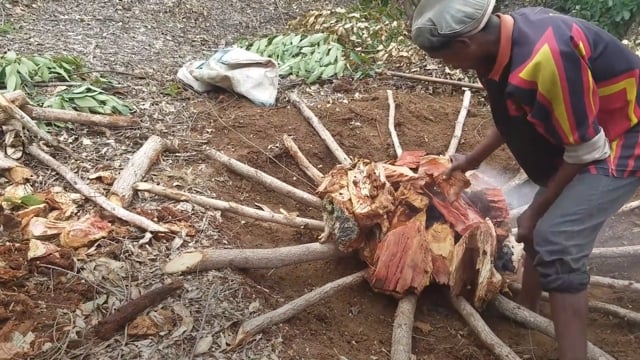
(440, 238)
(436, 167)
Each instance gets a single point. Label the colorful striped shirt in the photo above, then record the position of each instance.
(557, 82)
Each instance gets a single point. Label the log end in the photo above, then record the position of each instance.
(184, 263)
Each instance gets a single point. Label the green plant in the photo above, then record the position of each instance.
(88, 99)
(17, 71)
(6, 28)
(173, 90)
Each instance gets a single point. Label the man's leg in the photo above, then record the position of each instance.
(563, 241)
(529, 296)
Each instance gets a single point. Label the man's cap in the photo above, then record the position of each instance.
(436, 22)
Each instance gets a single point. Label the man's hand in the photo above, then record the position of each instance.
(462, 163)
(526, 224)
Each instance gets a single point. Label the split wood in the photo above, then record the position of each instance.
(435, 80)
(320, 129)
(28, 123)
(457, 133)
(76, 117)
(107, 327)
(302, 161)
(92, 194)
(205, 260)
(229, 207)
(536, 322)
(121, 192)
(265, 180)
(403, 328)
(597, 306)
(617, 284)
(482, 330)
(13, 170)
(252, 327)
(392, 124)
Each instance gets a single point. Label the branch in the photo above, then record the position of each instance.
(121, 192)
(482, 330)
(302, 161)
(206, 260)
(17, 98)
(254, 326)
(615, 252)
(536, 322)
(615, 283)
(107, 327)
(92, 194)
(265, 180)
(630, 206)
(462, 116)
(392, 126)
(320, 129)
(230, 207)
(403, 328)
(76, 117)
(435, 80)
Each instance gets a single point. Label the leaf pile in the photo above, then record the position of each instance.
(17, 71)
(88, 99)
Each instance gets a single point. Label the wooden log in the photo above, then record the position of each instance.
(28, 123)
(205, 260)
(457, 133)
(14, 171)
(17, 98)
(254, 326)
(92, 194)
(265, 180)
(76, 117)
(615, 252)
(392, 124)
(482, 330)
(536, 322)
(302, 161)
(121, 192)
(435, 80)
(403, 328)
(107, 327)
(630, 206)
(617, 284)
(320, 129)
(597, 306)
(230, 207)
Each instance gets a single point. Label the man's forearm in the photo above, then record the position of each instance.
(556, 185)
(488, 146)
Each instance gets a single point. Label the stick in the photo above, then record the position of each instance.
(403, 328)
(196, 261)
(26, 121)
(482, 330)
(230, 207)
(265, 180)
(615, 252)
(121, 192)
(320, 129)
(536, 322)
(92, 194)
(615, 283)
(254, 326)
(630, 206)
(17, 98)
(435, 80)
(13, 170)
(302, 161)
(392, 126)
(107, 327)
(598, 306)
(457, 133)
(76, 117)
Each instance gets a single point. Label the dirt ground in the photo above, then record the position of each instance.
(155, 39)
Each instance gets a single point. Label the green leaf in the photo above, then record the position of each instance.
(340, 66)
(315, 75)
(329, 71)
(31, 200)
(10, 56)
(13, 79)
(86, 102)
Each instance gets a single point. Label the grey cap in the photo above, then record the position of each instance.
(436, 22)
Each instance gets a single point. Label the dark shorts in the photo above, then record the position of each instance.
(565, 236)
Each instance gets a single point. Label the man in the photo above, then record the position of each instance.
(564, 99)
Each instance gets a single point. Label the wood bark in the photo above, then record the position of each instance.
(206, 260)
(121, 192)
(92, 194)
(76, 117)
(435, 80)
(254, 326)
(265, 180)
(392, 124)
(230, 207)
(482, 330)
(17, 98)
(462, 116)
(536, 322)
(107, 327)
(615, 252)
(13, 170)
(403, 328)
(302, 161)
(627, 285)
(320, 129)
